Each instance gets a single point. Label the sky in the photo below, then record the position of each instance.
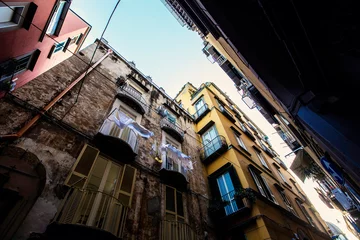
(144, 31)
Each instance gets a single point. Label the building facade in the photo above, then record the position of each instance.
(35, 36)
(288, 69)
(253, 194)
(71, 167)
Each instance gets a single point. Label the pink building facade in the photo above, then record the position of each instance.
(35, 36)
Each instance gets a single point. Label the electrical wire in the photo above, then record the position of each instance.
(89, 64)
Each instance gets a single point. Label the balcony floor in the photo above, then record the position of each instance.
(174, 179)
(115, 148)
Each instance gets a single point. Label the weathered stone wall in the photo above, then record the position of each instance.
(79, 117)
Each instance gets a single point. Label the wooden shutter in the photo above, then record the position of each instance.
(127, 184)
(269, 190)
(257, 182)
(82, 167)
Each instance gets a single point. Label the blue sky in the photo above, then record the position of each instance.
(144, 31)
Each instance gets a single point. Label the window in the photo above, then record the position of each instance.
(171, 118)
(286, 201)
(200, 107)
(262, 185)
(174, 207)
(98, 174)
(11, 16)
(306, 214)
(281, 175)
(55, 18)
(170, 163)
(59, 46)
(227, 192)
(211, 141)
(74, 40)
(240, 141)
(262, 159)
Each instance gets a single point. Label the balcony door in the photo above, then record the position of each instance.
(200, 106)
(227, 192)
(169, 161)
(211, 141)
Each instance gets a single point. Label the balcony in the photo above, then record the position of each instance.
(88, 214)
(229, 207)
(247, 131)
(201, 112)
(120, 144)
(172, 128)
(227, 114)
(173, 174)
(212, 149)
(174, 230)
(133, 98)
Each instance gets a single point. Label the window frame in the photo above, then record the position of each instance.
(305, 213)
(262, 185)
(9, 25)
(240, 141)
(174, 213)
(262, 159)
(287, 202)
(281, 175)
(52, 27)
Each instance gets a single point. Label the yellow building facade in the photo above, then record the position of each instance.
(253, 194)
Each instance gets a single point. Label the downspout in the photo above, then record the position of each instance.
(52, 103)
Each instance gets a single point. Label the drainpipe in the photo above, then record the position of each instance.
(52, 103)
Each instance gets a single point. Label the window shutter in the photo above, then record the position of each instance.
(82, 167)
(127, 185)
(269, 190)
(257, 182)
(234, 177)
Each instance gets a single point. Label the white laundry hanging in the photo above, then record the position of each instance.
(177, 155)
(123, 121)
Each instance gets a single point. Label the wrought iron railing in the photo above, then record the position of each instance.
(201, 111)
(135, 95)
(170, 164)
(128, 135)
(175, 230)
(93, 209)
(219, 142)
(165, 122)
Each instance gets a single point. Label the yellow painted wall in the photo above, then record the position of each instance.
(241, 163)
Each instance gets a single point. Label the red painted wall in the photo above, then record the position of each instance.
(19, 42)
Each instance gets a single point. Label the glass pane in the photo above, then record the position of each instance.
(112, 179)
(170, 199)
(97, 174)
(127, 181)
(124, 199)
(229, 183)
(76, 181)
(179, 204)
(86, 161)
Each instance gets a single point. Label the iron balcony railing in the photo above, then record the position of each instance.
(213, 146)
(165, 122)
(135, 95)
(169, 164)
(232, 205)
(128, 135)
(199, 113)
(175, 230)
(93, 209)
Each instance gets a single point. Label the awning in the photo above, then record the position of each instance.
(301, 162)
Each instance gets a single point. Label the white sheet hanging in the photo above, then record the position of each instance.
(177, 155)
(123, 121)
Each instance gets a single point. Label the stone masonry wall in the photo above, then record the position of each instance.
(57, 143)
